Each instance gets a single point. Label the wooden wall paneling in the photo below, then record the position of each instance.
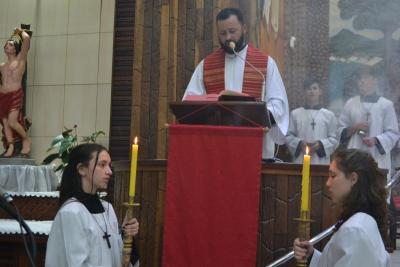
(282, 206)
(149, 245)
(173, 90)
(159, 216)
(181, 48)
(294, 200)
(137, 71)
(267, 219)
(122, 79)
(209, 22)
(316, 195)
(190, 39)
(217, 6)
(163, 84)
(150, 104)
(199, 32)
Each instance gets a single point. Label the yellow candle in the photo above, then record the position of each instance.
(305, 183)
(132, 180)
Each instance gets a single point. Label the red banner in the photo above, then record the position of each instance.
(212, 198)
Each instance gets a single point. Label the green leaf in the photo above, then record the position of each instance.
(60, 167)
(57, 140)
(66, 143)
(50, 158)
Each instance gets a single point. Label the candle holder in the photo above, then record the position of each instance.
(304, 232)
(128, 240)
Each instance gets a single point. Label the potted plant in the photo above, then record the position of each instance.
(64, 143)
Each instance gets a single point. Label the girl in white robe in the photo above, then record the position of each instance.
(357, 185)
(85, 231)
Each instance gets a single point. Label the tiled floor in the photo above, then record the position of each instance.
(395, 258)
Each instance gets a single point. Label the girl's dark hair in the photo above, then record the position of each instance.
(368, 194)
(71, 181)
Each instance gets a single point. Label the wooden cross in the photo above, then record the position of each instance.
(106, 237)
(313, 124)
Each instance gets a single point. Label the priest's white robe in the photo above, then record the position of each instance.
(275, 95)
(382, 122)
(76, 239)
(301, 129)
(356, 243)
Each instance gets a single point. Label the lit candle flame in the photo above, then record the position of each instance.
(307, 150)
(135, 141)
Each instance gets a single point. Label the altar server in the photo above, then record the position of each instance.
(357, 186)
(312, 126)
(85, 231)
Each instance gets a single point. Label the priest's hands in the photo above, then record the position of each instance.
(302, 249)
(131, 227)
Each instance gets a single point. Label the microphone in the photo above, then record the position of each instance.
(4, 194)
(232, 45)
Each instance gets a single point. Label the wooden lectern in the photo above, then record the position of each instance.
(228, 113)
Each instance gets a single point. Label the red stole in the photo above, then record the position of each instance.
(214, 72)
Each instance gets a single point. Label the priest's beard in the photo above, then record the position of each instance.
(239, 45)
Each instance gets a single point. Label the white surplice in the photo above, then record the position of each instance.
(275, 94)
(301, 129)
(382, 122)
(76, 238)
(356, 243)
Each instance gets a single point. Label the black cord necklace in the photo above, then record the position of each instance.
(94, 206)
(106, 236)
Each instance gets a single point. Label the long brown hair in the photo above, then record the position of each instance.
(368, 194)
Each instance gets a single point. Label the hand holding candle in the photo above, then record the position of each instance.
(132, 180)
(305, 182)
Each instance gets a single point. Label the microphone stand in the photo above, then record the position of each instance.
(232, 46)
(17, 216)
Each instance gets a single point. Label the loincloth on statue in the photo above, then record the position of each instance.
(10, 101)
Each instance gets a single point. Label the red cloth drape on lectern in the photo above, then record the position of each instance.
(212, 198)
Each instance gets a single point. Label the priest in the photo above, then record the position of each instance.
(238, 66)
(312, 126)
(368, 121)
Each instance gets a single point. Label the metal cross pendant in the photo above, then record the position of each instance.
(106, 237)
(313, 124)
